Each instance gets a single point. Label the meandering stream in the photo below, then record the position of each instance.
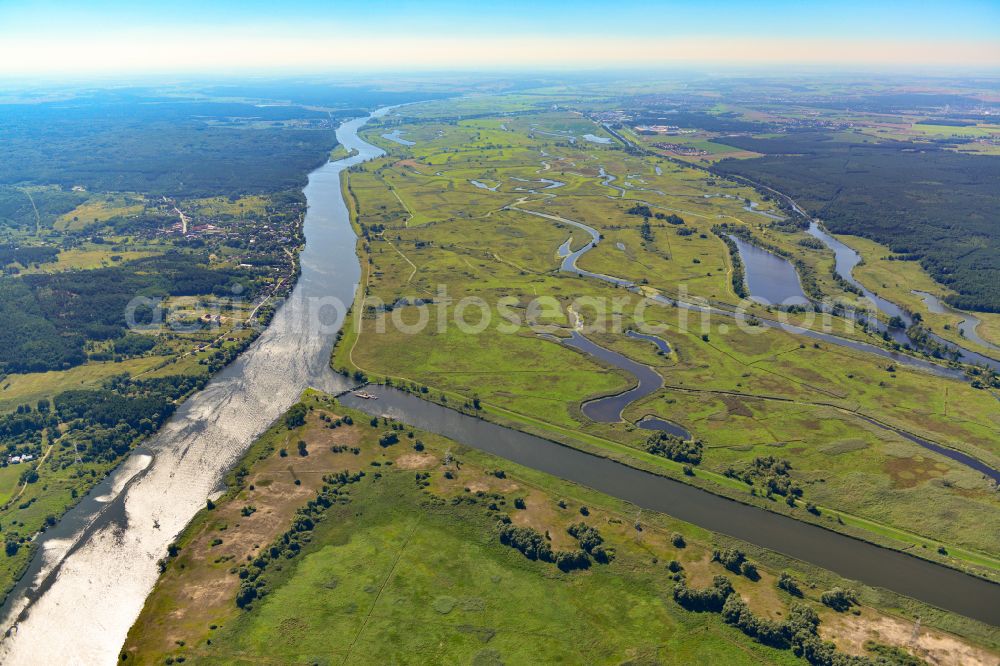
(967, 326)
(847, 258)
(608, 409)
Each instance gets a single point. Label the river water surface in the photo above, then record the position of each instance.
(772, 280)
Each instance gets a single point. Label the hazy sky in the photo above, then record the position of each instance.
(211, 36)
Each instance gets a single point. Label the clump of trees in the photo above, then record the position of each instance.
(839, 599)
(799, 632)
(736, 561)
(771, 473)
(788, 584)
(737, 613)
(535, 546)
(591, 542)
(529, 542)
(710, 599)
(675, 448)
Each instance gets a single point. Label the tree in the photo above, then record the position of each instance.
(731, 558)
(789, 584)
(839, 599)
(296, 416)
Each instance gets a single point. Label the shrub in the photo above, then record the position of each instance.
(531, 544)
(891, 654)
(839, 599)
(788, 584)
(710, 599)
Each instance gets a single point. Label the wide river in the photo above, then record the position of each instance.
(88, 582)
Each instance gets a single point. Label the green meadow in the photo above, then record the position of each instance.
(407, 567)
(432, 234)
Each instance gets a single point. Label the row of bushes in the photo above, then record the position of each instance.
(739, 273)
(534, 545)
(253, 584)
(799, 632)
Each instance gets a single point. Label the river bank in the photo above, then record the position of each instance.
(849, 557)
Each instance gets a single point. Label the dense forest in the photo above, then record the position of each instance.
(926, 203)
(178, 149)
(890, 102)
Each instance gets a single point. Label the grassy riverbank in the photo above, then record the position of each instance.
(407, 566)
